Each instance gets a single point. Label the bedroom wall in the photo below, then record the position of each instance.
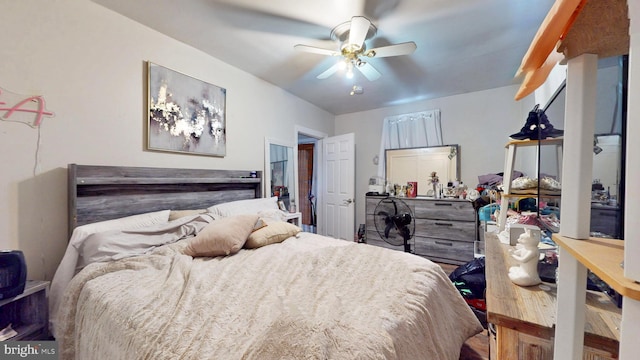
(89, 65)
(475, 121)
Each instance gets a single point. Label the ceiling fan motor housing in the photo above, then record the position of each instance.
(341, 32)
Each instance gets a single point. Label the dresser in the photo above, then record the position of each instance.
(445, 229)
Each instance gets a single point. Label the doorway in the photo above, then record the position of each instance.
(306, 186)
(307, 159)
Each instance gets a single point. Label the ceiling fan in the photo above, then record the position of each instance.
(352, 35)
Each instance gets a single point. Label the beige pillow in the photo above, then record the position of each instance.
(222, 237)
(274, 232)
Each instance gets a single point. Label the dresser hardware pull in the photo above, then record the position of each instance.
(444, 243)
(443, 204)
(444, 224)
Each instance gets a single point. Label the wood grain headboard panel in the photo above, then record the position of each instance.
(98, 193)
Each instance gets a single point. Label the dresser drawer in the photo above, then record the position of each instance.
(370, 227)
(446, 229)
(374, 237)
(445, 210)
(372, 203)
(444, 250)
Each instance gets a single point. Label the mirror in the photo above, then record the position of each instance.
(607, 192)
(279, 172)
(417, 164)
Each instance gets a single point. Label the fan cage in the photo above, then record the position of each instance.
(394, 222)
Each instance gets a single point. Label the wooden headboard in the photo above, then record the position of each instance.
(98, 193)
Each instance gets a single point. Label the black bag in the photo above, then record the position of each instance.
(470, 279)
(471, 282)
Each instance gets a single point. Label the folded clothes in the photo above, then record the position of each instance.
(495, 179)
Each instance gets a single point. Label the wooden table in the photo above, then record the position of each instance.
(525, 317)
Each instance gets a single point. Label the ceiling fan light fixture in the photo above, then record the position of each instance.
(352, 36)
(351, 49)
(349, 70)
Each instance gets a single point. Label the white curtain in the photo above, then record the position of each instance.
(417, 129)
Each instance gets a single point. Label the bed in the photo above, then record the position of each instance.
(125, 289)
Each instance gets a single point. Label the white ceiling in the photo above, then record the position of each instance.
(462, 45)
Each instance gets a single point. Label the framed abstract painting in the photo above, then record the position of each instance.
(184, 114)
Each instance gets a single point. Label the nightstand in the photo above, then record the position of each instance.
(294, 218)
(28, 313)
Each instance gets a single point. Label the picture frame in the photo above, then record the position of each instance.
(281, 205)
(184, 114)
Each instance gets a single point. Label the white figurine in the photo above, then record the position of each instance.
(526, 254)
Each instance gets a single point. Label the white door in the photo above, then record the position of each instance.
(337, 213)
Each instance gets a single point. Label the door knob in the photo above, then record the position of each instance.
(348, 201)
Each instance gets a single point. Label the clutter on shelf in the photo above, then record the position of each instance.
(528, 186)
(525, 209)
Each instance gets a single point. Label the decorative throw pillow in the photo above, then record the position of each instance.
(222, 237)
(272, 215)
(273, 232)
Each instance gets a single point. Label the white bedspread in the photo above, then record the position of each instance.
(311, 297)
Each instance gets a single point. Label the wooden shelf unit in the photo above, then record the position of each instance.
(597, 29)
(526, 196)
(525, 317)
(521, 143)
(603, 257)
(509, 161)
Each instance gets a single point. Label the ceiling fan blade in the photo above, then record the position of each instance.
(330, 71)
(358, 30)
(392, 50)
(387, 229)
(305, 11)
(265, 20)
(316, 50)
(369, 71)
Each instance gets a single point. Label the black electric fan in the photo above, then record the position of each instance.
(394, 222)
